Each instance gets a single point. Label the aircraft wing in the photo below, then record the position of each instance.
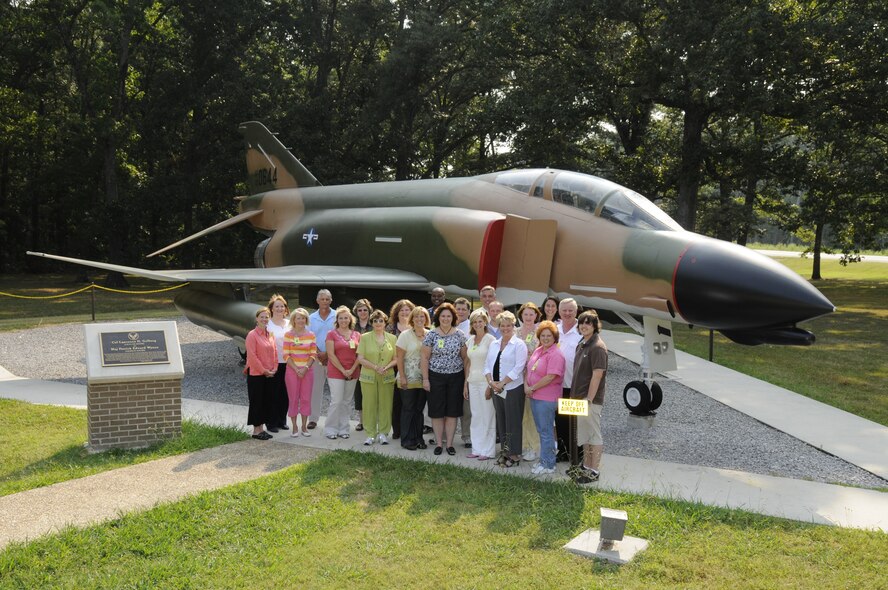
(344, 276)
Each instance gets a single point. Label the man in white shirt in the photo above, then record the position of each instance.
(495, 308)
(320, 322)
(487, 294)
(568, 338)
(463, 308)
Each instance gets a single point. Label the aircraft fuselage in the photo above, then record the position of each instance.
(462, 233)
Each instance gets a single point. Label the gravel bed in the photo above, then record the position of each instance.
(691, 428)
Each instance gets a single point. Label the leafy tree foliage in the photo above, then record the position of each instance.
(118, 117)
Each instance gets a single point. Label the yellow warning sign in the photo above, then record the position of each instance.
(573, 407)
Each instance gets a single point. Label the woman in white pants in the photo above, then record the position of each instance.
(342, 371)
(483, 428)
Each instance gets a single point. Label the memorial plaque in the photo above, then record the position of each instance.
(573, 407)
(134, 348)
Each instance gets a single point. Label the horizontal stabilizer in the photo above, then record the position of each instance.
(157, 275)
(221, 225)
(321, 276)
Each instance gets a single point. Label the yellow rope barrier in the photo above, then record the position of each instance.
(141, 292)
(45, 296)
(3, 293)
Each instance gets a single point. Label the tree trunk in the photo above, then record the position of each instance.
(725, 197)
(750, 195)
(752, 179)
(691, 163)
(818, 243)
(118, 214)
(5, 218)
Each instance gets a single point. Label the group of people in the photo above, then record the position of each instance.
(498, 375)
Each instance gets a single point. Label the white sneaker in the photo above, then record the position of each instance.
(368, 442)
(530, 456)
(538, 469)
(383, 439)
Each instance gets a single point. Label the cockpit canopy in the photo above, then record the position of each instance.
(594, 195)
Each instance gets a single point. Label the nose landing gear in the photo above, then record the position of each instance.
(644, 396)
(642, 399)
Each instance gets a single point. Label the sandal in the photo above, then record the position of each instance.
(439, 450)
(509, 462)
(451, 451)
(501, 460)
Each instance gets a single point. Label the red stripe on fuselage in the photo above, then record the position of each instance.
(491, 250)
(674, 274)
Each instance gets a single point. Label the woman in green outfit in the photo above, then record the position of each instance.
(376, 354)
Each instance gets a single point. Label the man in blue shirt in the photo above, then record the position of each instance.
(320, 322)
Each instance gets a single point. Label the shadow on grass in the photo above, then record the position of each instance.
(450, 493)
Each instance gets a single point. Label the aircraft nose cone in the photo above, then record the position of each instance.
(724, 286)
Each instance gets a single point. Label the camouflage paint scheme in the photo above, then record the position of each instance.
(610, 248)
(441, 226)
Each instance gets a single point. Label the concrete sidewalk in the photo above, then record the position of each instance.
(782, 497)
(41, 511)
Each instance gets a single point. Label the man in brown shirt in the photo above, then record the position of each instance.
(590, 368)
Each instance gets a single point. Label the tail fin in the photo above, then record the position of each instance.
(270, 165)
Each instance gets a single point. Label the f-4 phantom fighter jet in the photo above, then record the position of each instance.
(530, 233)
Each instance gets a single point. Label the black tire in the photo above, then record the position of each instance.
(637, 397)
(656, 395)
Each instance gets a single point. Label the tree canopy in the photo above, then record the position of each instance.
(119, 117)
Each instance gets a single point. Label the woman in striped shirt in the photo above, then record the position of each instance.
(300, 354)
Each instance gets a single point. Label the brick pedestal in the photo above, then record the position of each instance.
(133, 414)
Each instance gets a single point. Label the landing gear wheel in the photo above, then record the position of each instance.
(656, 395)
(637, 397)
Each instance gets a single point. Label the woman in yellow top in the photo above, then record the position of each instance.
(376, 355)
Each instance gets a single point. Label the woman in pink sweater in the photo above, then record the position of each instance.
(261, 367)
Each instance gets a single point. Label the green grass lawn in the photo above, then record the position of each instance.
(17, 313)
(802, 248)
(42, 445)
(848, 365)
(354, 520)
